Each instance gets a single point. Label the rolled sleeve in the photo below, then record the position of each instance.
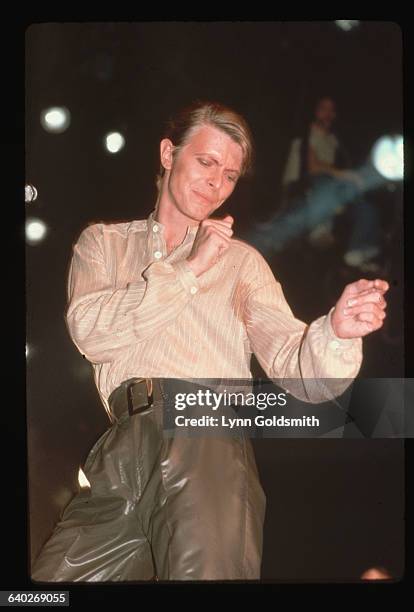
(289, 350)
(104, 320)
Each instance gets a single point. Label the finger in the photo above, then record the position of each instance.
(226, 221)
(381, 284)
(371, 319)
(370, 296)
(367, 328)
(222, 232)
(220, 226)
(367, 292)
(356, 296)
(211, 228)
(364, 284)
(214, 240)
(365, 308)
(222, 248)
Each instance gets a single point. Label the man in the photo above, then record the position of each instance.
(176, 296)
(316, 188)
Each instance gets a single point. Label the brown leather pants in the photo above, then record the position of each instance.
(177, 508)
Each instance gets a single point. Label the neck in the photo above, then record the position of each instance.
(175, 224)
(322, 126)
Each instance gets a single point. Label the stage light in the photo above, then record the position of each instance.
(30, 193)
(82, 480)
(114, 142)
(29, 351)
(346, 24)
(388, 157)
(35, 230)
(376, 573)
(55, 119)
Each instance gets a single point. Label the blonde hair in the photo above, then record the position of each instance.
(180, 128)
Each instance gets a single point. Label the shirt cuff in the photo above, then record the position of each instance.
(186, 276)
(335, 342)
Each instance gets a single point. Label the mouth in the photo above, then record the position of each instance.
(203, 197)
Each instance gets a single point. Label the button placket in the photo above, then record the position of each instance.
(159, 248)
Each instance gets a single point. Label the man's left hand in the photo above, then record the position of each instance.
(361, 308)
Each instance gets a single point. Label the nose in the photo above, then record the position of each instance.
(215, 178)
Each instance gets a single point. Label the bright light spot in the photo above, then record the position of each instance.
(35, 230)
(55, 119)
(114, 142)
(346, 24)
(82, 480)
(27, 350)
(30, 193)
(388, 157)
(376, 573)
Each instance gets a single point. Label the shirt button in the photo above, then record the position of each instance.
(193, 290)
(157, 254)
(334, 344)
(155, 228)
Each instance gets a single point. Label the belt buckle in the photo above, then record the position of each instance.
(149, 395)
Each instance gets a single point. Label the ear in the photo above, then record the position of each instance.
(166, 153)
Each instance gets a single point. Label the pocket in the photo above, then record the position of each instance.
(94, 450)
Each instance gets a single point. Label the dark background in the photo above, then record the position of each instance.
(335, 507)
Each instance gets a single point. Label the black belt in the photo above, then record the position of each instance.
(135, 395)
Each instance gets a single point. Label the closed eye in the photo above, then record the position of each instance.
(204, 162)
(208, 163)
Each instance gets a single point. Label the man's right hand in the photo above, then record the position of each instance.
(211, 241)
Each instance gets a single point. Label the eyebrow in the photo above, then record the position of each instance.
(211, 155)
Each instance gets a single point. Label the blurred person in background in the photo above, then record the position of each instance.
(317, 185)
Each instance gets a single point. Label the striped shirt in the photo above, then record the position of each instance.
(135, 311)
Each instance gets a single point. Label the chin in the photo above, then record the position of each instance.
(194, 216)
(200, 217)
(198, 214)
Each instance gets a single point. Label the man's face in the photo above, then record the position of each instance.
(203, 174)
(325, 113)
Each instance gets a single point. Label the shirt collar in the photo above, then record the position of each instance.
(151, 223)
